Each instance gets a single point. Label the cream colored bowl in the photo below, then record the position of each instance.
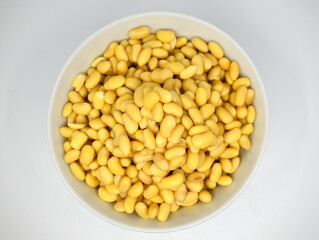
(94, 46)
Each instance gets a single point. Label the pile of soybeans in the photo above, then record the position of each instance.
(157, 122)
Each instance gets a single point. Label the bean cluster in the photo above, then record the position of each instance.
(157, 122)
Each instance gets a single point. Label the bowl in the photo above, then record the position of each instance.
(79, 62)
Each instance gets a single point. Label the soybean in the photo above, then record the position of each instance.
(77, 171)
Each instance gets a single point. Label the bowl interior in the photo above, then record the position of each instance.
(95, 46)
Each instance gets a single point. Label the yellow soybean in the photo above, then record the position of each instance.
(77, 171)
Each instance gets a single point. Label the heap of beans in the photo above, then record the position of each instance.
(157, 122)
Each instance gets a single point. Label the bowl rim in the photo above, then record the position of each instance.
(221, 208)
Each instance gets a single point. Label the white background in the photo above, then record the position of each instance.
(281, 37)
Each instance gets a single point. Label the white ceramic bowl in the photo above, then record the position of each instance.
(94, 46)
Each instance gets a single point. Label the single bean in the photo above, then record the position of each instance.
(188, 72)
(205, 196)
(87, 155)
(173, 181)
(91, 180)
(165, 36)
(136, 190)
(230, 152)
(79, 140)
(144, 56)
(150, 100)
(173, 109)
(215, 172)
(110, 51)
(167, 195)
(234, 70)
(200, 44)
(191, 199)
(139, 32)
(232, 135)
(240, 96)
(163, 212)
(77, 171)
(72, 155)
(167, 126)
(152, 210)
(244, 142)
(247, 129)
(106, 196)
(124, 144)
(251, 114)
(194, 186)
(141, 210)
(216, 49)
(174, 152)
(225, 180)
(104, 175)
(114, 82)
(130, 125)
(196, 116)
(224, 115)
(129, 204)
(250, 96)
